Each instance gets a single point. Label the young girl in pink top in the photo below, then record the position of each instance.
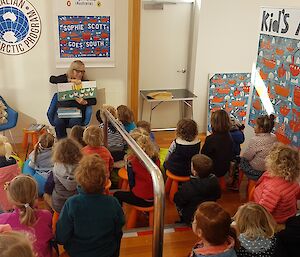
(23, 193)
(277, 189)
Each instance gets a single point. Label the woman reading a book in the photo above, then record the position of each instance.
(75, 74)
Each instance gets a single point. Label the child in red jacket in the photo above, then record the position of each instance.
(277, 189)
(140, 181)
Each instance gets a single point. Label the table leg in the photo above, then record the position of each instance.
(142, 109)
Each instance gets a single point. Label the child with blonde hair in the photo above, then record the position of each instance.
(93, 137)
(40, 164)
(183, 148)
(115, 142)
(5, 152)
(23, 193)
(277, 189)
(102, 236)
(252, 162)
(76, 134)
(14, 244)
(139, 179)
(62, 185)
(219, 145)
(125, 115)
(256, 228)
(212, 225)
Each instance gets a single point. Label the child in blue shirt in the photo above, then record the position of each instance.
(90, 223)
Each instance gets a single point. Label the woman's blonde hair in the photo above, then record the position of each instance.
(187, 129)
(91, 174)
(15, 244)
(5, 147)
(142, 138)
(253, 220)
(220, 122)
(67, 151)
(45, 141)
(125, 115)
(22, 192)
(93, 136)
(76, 65)
(283, 161)
(76, 134)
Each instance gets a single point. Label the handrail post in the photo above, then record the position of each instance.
(157, 180)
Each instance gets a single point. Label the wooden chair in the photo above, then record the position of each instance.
(131, 222)
(171, 186)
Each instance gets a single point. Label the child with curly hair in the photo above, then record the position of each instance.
(90, 223)
(277, 189)
(183, 148)
(139, 179)
(76, 134)
(93, 137)
(125, 115)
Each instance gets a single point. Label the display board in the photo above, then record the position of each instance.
(277, 72)
(84, 29)
(229, 91)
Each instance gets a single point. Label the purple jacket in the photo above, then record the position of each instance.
(40, 233)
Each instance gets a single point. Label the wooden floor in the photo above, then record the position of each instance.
(176, 244)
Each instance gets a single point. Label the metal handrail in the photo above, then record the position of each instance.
(157, 179)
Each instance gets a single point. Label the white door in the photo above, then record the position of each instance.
(164, 50)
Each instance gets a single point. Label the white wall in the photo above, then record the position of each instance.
(24, 78)
(227, 42)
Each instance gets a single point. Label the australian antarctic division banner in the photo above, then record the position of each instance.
(20, 26)
(85, 31)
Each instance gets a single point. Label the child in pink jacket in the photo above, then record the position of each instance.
(23, 193)
(277, 189)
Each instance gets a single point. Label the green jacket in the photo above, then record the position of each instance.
(90, 225)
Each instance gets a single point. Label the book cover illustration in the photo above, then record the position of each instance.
(70, 91)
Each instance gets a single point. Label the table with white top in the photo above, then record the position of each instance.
(183, 96)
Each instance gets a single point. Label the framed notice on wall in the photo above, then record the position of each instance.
(277, 79)
(84, 29)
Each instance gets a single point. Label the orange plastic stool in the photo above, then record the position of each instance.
(123, 183)
(251, 194)
(131, 222)
(54, 221)
(34, 138)
(171, 186)
(107, 187)
(250, 187)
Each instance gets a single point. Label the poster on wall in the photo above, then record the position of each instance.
(229, 91)
(278, 73)
(85, 31)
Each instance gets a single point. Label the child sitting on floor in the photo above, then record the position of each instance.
(90, 223)
(40, 163)
(253, 159)
(23, 194)
(183, 148)
(277, 189)
(256, 228)
(125, 115)
(146, 126)
(93, 137)
(115, 142)
(212, 225)
(203, 186)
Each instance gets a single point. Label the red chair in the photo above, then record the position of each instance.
(171, 186)
(222, 183)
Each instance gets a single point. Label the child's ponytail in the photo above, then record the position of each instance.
(23, 192)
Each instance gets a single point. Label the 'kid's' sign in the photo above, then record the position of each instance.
(280, 22)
